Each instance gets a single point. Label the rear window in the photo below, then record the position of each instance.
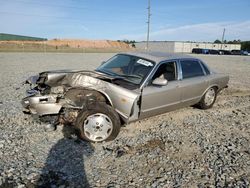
(191, 68)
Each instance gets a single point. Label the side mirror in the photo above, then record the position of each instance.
(160, 82)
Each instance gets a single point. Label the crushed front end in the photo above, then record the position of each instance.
(42, 99)
(64, 94)
(55, 94)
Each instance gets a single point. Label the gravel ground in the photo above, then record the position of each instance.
(185, 148)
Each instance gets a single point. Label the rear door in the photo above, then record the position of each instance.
(193, 82)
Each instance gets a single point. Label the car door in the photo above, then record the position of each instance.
(159, 99)
(193, 82)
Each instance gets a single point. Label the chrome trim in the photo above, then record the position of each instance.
(204, 65)
(179, 70)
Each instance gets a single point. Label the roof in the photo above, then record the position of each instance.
(158, 56)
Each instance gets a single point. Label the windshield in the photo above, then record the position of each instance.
(130, 68)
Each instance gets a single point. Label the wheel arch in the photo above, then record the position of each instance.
(81, 94)
(105, 96)
(109, 102)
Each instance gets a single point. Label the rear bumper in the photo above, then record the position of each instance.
(41, 105)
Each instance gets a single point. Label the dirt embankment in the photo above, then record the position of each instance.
(62, 44)
(88, 43)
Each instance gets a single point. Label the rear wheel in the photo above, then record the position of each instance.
(100, 122)
(208, 98)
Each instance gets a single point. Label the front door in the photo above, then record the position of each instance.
(159, 99)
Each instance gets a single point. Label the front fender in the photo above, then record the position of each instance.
(122, 99)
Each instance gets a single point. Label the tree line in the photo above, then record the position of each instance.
(245, 45)
(130, 42)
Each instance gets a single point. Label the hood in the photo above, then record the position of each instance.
(62, 77)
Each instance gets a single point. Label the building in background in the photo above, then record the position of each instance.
(184, 47)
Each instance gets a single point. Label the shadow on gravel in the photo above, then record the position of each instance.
(65, 163)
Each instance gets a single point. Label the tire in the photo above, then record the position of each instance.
(208, 99)
(99, 122)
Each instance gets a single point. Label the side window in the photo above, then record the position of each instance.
(166, 70)
(191, 68)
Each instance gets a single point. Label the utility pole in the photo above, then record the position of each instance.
(148, 22)
(222, 40)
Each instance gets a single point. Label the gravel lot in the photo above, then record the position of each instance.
(185, 148)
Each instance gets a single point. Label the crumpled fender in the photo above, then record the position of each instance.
(120, 98)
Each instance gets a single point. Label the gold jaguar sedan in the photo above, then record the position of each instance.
(125, 88)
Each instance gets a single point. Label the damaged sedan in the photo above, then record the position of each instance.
(127, 87)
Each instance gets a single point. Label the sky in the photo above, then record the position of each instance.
(176, 20)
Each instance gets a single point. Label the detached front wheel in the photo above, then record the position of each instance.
(100, 122)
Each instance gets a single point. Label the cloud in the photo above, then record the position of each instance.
(197, 32)
(34, 19)
(65, 20)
